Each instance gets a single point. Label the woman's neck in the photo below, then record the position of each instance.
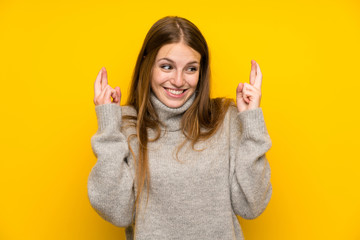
(170, 117)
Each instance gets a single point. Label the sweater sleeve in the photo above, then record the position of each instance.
(111, 181)
(250, 171)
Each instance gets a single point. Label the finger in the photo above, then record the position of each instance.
(118, 94)
(239, 87)
(253, 72)
(99, 99)
(102, 99)
(245, 94)
(239, 92)
(114, 97)
(251, 92)
(97, 84)
(246, 98)
(108, 93)
(251, 88)
(104, 80)
(241, 104)
(258, 78)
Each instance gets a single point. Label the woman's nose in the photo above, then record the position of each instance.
(178, 79)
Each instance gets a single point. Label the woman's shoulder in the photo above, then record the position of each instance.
(231, 114)
(226, 110)
(228, 105)
(128, 110)
(129, 115)
(232, 110)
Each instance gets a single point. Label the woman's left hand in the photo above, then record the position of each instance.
(248, 95)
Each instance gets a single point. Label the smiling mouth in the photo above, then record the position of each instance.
(175, 91)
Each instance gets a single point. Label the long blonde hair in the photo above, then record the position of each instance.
(204, 113)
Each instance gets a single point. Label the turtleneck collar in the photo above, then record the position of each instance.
(170, 117)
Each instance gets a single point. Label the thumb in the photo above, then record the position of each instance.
(240, 102)
(239, 88)
(117, 95)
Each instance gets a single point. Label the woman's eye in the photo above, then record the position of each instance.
(192, 69)
(166, 67)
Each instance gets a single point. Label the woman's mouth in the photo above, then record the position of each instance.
(176, 92)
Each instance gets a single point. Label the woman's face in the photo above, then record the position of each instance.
(175, 74)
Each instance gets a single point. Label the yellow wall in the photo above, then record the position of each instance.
(308, 52)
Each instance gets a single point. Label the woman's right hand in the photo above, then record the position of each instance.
(103, 91)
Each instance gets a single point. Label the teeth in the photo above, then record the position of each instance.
(175, 92)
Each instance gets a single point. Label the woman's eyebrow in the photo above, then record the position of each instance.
(168, 59)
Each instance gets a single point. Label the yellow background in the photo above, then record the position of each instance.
(308, 52)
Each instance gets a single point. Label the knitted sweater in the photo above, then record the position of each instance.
(195, 197)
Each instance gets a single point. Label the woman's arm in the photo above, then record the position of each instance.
(111, 181)
(250, 171)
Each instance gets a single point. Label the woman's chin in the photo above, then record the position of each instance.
(174, 102)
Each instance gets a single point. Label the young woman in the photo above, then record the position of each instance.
(173, 163)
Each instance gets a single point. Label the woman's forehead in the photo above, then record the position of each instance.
(178, 52)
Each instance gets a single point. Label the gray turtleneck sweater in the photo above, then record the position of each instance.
(195, 197)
